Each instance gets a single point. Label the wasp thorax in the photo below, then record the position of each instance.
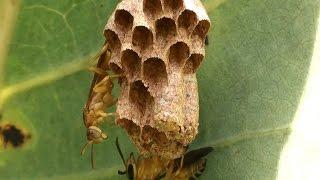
(158, 45)
(95, 134)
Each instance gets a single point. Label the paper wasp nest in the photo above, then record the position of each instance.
(158, 45)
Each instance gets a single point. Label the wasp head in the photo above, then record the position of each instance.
(95, 135)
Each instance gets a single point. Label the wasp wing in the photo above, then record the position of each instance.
(192, 157)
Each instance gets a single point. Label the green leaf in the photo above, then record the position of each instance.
(250, 86)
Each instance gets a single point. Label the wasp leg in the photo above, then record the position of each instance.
(114, 76)
(181, 164)
(102, 86)
(140, 135)
(122, 172)
(100, 89)
(97, 70)
(104, 117)
(103, 114)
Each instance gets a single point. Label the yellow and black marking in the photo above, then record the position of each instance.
(13, 136)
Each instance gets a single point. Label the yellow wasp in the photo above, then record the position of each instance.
(100, 98)
(190, 166)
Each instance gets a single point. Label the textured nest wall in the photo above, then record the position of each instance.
(158, 46)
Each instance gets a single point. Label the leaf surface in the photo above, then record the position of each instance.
(250, 86)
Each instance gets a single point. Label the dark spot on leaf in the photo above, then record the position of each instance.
(11, 135)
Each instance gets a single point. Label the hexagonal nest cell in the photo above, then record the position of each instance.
(158, 46)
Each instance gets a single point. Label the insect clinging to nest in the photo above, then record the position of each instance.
(152, 167)
(190, 166)
(100, 98)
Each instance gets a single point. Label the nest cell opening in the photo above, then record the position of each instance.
(123, 20)
(113, 41)
(192, 63)
(152, 8)
(179, 52)
(173, 5)
(131, 63)
(142, 37)
(201, 29)
(165, 28)
(149, 135)
(140, 97)
(154, 73)
(187, 21)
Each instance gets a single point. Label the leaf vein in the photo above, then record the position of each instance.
(42, 79)
(63, 16)
(227, 142)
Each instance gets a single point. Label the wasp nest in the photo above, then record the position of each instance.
(158, 45)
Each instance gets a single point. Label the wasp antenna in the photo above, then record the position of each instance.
(120, 152)
(93, 163)
(83, 150)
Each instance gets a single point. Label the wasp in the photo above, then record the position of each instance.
(100, 98)
(189, 166)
